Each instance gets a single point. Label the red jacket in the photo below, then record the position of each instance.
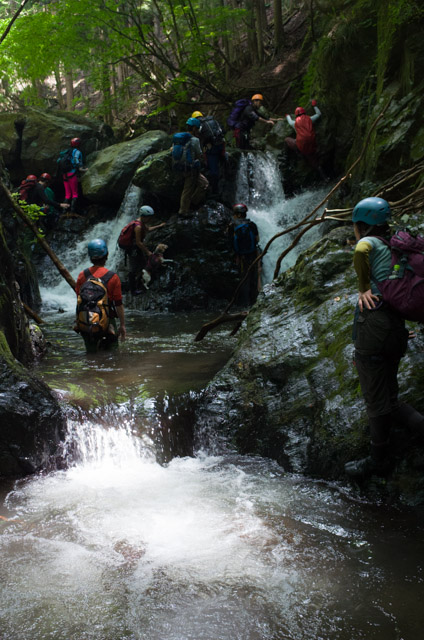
(305, 135)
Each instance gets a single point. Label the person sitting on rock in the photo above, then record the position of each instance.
(305, 141)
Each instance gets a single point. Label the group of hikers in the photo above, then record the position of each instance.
(379, 335)
(202, 146)
(38, 191)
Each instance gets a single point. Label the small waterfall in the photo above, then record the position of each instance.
(259, 186)
(60, 295)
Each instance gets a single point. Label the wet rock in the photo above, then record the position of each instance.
(32, 424)
(291, 391)
(201, 273)
(110, 171)
(32, 139)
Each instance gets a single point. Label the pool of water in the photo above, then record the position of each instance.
(128, 544)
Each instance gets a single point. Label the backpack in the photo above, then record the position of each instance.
(64, 161)
(210, 131)
(403, 291)
(93, 309)
(25, 187)
(126, 237)
(236, 112)
(305, 134)
(182, 156)
(244, 239)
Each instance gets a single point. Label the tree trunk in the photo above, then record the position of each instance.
(59, 88)
(69, 83)
(278, 25)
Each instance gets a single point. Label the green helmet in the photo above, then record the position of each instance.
(97, 248)
(373, 211)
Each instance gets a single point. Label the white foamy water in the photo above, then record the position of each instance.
(259, 186)
(210, 547)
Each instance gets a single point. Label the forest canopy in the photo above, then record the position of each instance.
(107, 57)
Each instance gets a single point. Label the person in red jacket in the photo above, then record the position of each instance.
(98, 253)
(305, 141)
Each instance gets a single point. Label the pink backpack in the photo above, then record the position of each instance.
(404, 289)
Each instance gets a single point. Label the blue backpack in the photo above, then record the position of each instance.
(235, 114)
(182, 157)
(244, 239)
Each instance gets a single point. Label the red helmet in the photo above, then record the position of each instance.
(75, 142)
(300, 111)
(32, 177)
(240, 208)
(46, 176)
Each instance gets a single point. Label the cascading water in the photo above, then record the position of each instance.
(60, 295)
(209, 547)
(259, 186)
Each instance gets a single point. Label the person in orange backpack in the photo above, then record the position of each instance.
(305, 141)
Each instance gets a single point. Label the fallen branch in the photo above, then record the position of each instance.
(29, 223)
(234, 317)
(32, 314)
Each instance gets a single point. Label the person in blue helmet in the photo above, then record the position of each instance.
(380, 339)
(99, 302)
(195, 183)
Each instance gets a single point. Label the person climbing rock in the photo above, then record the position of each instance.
(99, 301)
(243, 118)
(51, 206)
(36, 191)
(211, 136)
(305, 141)
(186, 159)
(244, 238)
(70, 166)
(380, 339)
(131, 240)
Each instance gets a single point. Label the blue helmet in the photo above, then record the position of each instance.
(193, 122)
(373, 211)
(97, 248)
(145, 210)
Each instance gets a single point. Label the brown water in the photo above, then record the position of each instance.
(213, 546)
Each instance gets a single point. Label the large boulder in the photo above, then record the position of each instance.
(162, 186)
(111, 170)
(32, 424)
(31, 139)
(291, 385)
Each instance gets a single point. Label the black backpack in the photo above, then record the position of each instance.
(211, 131)
(64, 161)
(244, 239)
(93, 308)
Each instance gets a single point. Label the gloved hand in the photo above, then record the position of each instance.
(314, 103)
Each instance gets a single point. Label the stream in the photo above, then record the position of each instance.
(156, 530)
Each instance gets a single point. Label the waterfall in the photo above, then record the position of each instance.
(260, 187)
(60, 295)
